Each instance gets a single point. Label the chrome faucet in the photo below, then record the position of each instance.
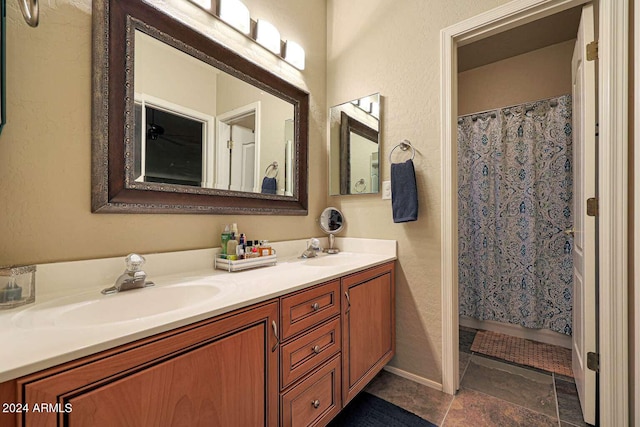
(132, 278)
(312, 250)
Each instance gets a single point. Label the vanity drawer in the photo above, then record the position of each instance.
(310, 307)
(304, 353)
(315, 400)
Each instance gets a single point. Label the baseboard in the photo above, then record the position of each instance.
(541, 335)
(413, 377)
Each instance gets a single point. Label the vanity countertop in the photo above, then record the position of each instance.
(29, 346)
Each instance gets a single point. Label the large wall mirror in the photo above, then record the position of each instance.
(190, 126)
(355, 147)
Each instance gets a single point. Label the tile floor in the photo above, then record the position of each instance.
(492, 393)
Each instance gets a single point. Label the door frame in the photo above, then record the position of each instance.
(221, 150)
(636, 215)
(612, 186)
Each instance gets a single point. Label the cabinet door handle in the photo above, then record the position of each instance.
(315, 404)
(316, 349)
(275, 333)
(346, 294)
(315, 306)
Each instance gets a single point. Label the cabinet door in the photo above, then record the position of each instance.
(368, 336)
(229, 378)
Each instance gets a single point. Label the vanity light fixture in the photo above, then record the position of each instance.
(236, 14)
(365, 104)
(268, 36)
(294, 54)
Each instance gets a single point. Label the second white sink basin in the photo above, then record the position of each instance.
(95, 309)
(333, 260)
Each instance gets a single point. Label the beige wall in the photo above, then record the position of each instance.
(540, 74)
(399, 41)
(158, 72)
(45, 147)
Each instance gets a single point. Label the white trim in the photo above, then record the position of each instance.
(635, 415)
(413, 377)
(613, 27)
(613, 198)
(636, 222)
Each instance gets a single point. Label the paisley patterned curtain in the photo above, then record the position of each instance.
(514, 203)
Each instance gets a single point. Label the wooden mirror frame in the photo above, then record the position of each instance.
(113, 118)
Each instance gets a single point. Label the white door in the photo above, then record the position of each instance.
(584, 242)
(242, 137)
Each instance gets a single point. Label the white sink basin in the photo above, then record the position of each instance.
(95, 309)
(333, 260)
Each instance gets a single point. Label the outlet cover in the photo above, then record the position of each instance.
(386, 190)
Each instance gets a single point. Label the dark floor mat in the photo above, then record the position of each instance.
(367, 410)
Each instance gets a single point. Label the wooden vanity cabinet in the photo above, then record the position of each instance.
(368, 326)
(294, 361)
(220, 372)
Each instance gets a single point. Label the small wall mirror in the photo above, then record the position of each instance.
(354, 146)
(331, 222)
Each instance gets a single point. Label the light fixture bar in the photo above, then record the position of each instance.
(235, 14)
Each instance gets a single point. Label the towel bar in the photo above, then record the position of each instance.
(404, 145)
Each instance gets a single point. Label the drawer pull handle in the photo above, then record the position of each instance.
(316, 349)
(275, 333)
(315, 404)
(315, 306)
(346, 294)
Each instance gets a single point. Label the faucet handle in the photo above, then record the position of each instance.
(134, 262)
(314, 243)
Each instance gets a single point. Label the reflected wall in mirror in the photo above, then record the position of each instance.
(354, 146)
(205, 130)
(176, 118)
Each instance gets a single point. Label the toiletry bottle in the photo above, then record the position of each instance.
(224, 238)
(255, 249)
(248, 250)
(264, 248)
(232, 244)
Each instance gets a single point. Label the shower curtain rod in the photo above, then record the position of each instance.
(511, 106)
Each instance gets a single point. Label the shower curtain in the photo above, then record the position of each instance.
(514, 204)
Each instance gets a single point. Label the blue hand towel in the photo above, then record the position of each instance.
(404, 192)
(269, 185)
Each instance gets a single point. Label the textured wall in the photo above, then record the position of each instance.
(392, 47)
(45, 148)
(540, 74)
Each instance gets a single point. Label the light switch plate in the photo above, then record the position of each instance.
(386, 190)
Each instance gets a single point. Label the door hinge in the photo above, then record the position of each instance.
(592, 51)
(230, 144)
(592, 206)
(593, 361)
